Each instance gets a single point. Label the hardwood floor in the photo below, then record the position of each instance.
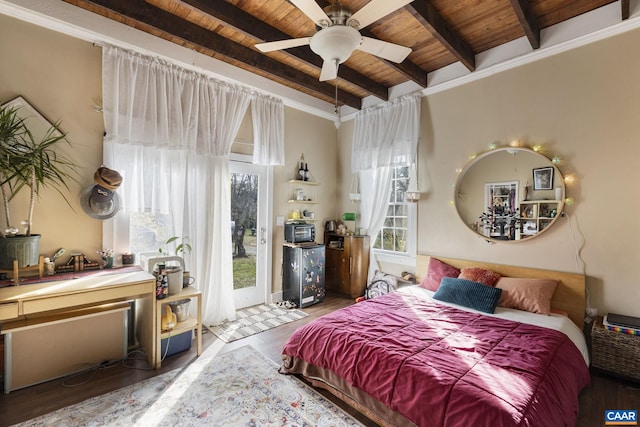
(605, 392)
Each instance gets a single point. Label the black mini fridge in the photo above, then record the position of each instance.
(303, 273)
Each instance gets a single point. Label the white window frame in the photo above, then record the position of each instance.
(402, 258)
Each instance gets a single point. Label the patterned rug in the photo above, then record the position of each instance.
(254, 320)
(238, 388)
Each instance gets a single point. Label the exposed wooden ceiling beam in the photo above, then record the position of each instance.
(244, 22)
(429, 18)
(624, 9)
(152, 16)
(527, 21)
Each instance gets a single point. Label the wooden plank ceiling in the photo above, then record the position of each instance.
(439, 32)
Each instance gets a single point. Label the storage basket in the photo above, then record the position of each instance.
(615, 352)
(176, 344)
(181, 309)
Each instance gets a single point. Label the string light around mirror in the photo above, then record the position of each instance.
(569, 179)
(518, 225)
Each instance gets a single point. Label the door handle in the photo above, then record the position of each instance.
(263, 235)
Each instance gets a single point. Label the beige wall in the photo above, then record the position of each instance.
(345, 134)
(582, 106)
(578, 106)
(315, 138)
(61, 77)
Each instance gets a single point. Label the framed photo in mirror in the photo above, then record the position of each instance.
(543, 178)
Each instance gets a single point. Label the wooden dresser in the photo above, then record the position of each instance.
(347, 264)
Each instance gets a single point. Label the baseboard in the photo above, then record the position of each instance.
(277, 296)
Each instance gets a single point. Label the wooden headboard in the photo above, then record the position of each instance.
(568, 297)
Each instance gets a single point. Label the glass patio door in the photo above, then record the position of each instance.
(250, 192)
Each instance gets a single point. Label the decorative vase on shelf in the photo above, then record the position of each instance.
(558, 193)
(107, 262)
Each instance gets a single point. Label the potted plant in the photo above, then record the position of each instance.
(182, 247)
(27, 162)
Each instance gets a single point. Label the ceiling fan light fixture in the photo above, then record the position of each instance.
(336, 43)
(338, 13)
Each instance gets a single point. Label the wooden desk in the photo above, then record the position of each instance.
(57, 299)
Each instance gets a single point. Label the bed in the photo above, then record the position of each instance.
(418, 357)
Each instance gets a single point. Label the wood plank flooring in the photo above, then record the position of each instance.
(605, 392)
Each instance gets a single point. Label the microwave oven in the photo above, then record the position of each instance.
(295, 232)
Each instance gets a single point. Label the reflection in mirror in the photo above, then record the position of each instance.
(509, 194)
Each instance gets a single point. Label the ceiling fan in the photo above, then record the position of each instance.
(338, 36)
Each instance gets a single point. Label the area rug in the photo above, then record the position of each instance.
(254, 320)
(238, 388)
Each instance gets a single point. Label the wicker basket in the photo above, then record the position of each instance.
(615, 352)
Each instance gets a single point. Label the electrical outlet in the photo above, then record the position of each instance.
(592, 312)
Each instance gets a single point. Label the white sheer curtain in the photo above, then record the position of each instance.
(373, 204)
(268, 131)
(384, 136)
(169, 131)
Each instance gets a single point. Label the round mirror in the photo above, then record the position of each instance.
(509, 194)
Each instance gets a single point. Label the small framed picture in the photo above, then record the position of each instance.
(543, 178)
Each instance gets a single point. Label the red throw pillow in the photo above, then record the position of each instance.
(435, 272)
(481, 275)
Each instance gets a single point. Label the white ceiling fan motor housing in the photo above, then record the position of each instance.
(336, 43)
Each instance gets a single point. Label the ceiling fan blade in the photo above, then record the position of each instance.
(312, 10)
(375, 10)
(282, 44)
(390, 51)
(329, 71)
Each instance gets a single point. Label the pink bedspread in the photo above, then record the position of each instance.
(441, 366)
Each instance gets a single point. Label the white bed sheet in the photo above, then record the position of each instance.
(552, 321)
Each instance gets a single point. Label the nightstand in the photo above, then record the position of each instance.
(615, 352)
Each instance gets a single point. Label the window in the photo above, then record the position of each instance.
(398, 232)
(148, 232)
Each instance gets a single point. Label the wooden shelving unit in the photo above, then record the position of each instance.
(309, 190)
(536, 215)
(192, 323)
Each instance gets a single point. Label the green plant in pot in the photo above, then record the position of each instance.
(182, 247)
(32, 164)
